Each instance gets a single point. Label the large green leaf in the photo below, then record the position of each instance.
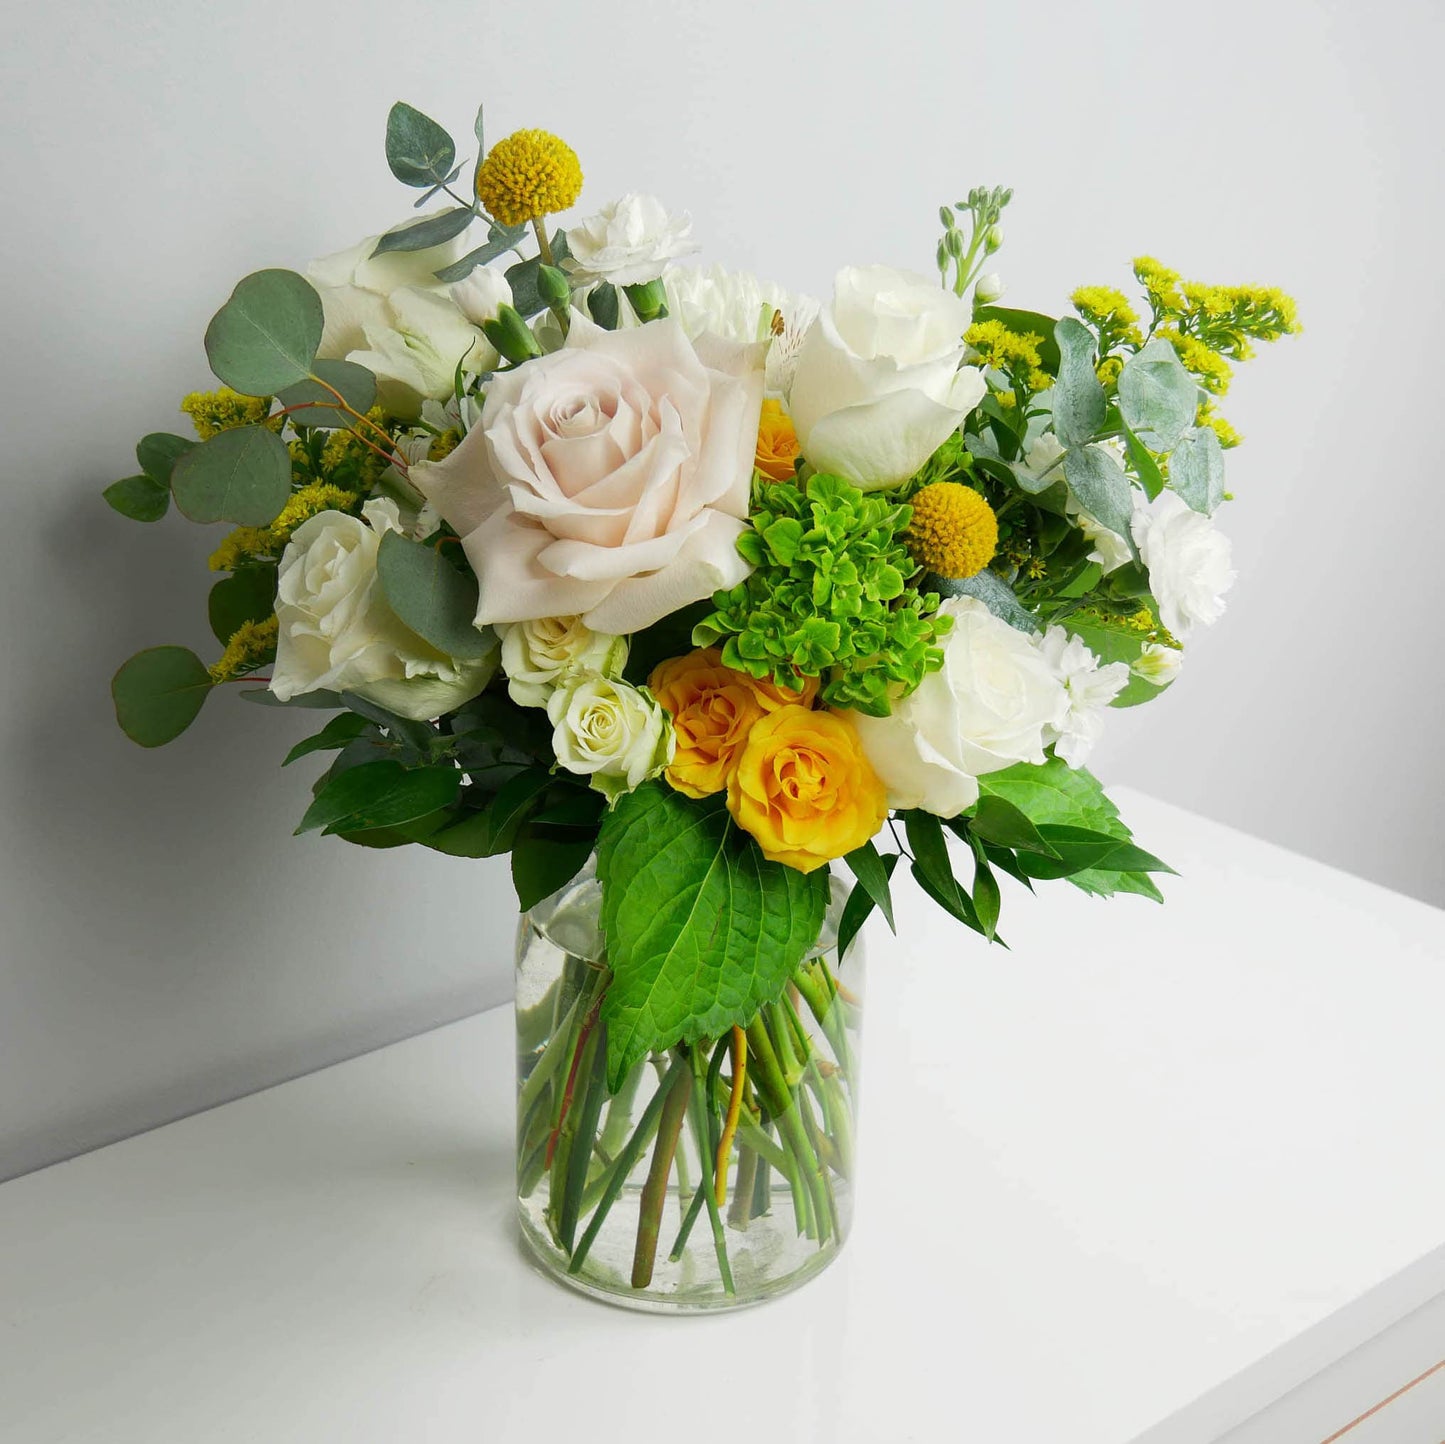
(265, 337)
(355, 383)
(248, 596)
(380, 794)
(432, 231)
(701, 929)
(241, 476)
(860, 905)
(158, 693)
(1078, 398)
(1157, 396)
(141, 498)
(541, 864)
(432, 597)
(419, 152)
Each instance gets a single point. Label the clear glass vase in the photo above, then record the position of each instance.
(717, 1175)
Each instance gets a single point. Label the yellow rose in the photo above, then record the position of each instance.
(777, 443)
(713, 708)
(803, 788)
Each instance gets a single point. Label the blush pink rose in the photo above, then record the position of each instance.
(608, 480)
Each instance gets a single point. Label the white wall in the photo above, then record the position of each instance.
(167, 943)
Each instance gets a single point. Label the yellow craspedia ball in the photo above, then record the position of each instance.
(953, 530)
(529, 174)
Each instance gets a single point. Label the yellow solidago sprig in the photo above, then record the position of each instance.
(953, 531)
(1015, 353)
(223, 410)
(527, 175)
(247, 545)
(252, 645)
(1110, 313)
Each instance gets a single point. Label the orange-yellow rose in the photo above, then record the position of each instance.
(804, 789)
(777, 443)
(713, 709)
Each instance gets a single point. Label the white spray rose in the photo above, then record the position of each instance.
(538, 656)
(1090, 687)
(338, 633)
(628, 241)
(1188, 560)
(1158, 664)
(609, 731)
(995, 702)
(879, 383)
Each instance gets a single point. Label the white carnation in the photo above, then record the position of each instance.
(609, 731)
(1188, 560)
(1090, 687)
(629, 241)
(537, 656)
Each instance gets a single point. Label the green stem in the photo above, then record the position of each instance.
(654, 1190)
(808, 1206)
(586, 1111)
(709, 1131)
(740, 1207)
(619, 1111)
(547, 1064)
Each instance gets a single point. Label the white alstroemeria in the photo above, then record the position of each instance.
(879, 383)
(539, 655)
(337, 632)
(609, 731)
(1188, 560)
(1158, 664)
(1090, 686)
(481, 294)
(628, 242)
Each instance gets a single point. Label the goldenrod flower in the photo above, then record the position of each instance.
(952, 531)
(251, 644)
(245, 544)
(223, 409)
(528, 175)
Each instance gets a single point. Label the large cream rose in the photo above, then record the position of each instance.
(995, 702)
(608, 480)
(879, 383)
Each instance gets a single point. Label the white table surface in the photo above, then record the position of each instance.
(1137, 1177)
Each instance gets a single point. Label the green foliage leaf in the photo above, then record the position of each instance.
(500, 240)
(524, 278)
(355, 383)
(320, 699)
(1078, 398)
(418, 151)
(1027, 323)
(701, 929)
(1080, 849)
(1101, 488)
(1145, 467)
(993, 592)
(158, 453)
(603, 305)
(248, 596)
(860, 905)
(995, 819)
(540, 865)
(933, 868)
(241, 476)
(265, 337)
(432, 597)
(342, 729)
(987, 901)
(158, 693)
(141, 498)
(1196, 470)
(423, 234)
(380, 794)
(1157, 396)
(873, 873)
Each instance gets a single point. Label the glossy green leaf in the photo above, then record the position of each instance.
(1077, 849)
(987, 900)
(873, 873)
(248, 596)
(432, 231)
(418, 151)
(342, 729)
(997, 820)
(1145, 467)
(141, 498)
(541, 865)
(380, 794)
(355, 383)
(860, 905)
(932, 862)
(265, 337)
(241, 476)
(436, 600)
(158, 693)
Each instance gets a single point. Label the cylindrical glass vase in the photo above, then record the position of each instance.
(719, 1174)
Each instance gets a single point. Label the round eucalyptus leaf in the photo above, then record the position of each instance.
(355, 383)
(141, 498)
(241, 476)
(248, 596)
(419, 152)
(159, 452)
(265, 337)
(1157, 396)
(158, 693)
(432, 597)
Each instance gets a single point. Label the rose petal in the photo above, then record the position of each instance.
(514, 587)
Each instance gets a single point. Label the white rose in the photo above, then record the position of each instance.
(879, 383)
(1188, 560)
(628, 242)
(390, 314)
(1158, 664)
(609, 731)
(338, 633)
(993, 703)
(607, 480)
(538, 655)
(1090, 687)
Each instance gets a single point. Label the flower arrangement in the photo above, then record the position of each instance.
(595, 553)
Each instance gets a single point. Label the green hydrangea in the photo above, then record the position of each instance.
(829, 597)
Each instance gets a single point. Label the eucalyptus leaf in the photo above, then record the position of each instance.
(247, 596)
(432, 597)
(355, 383)
(158, 453)
(993, 592)
(1078, 398)
(1157, 397)
(265, 337)
(418, 151)
(500, 240)
(422, 235)
(1196, 470)
(141, 498)
(158, 693)
(1100, 486)
(242, 475)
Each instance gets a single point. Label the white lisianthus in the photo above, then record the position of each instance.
(609, 731)
(879, 383)
(336, 631)
(628, 241)
(1090, 686)
(538, 656)
(390, 314)
(1158, 664)
(996, 701)
(481, 294)
(1188, 560)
